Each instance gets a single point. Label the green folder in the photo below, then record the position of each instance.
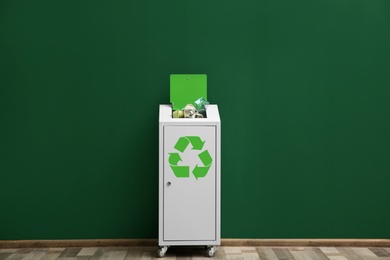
(186, 89)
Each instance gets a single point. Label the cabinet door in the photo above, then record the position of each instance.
(189, 183)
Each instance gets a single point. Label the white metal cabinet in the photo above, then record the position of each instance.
(189, 202)
(189, 179)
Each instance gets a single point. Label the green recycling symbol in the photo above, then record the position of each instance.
(184, 171)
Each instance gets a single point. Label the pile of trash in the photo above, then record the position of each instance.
(196, 110)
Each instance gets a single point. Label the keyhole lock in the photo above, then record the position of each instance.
(169, 183)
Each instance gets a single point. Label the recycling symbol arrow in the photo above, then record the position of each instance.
(184, 171)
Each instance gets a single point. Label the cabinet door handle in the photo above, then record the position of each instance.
(169, 183)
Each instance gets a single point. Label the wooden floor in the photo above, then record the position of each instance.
(187, 253)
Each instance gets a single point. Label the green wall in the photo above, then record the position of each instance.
(303, 89)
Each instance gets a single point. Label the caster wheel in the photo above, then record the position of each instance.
(211, 251)
(162, 251)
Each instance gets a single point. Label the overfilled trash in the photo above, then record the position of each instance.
(198, 110)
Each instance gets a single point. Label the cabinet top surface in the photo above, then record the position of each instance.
(211, 111)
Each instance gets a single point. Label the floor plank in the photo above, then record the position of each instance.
(4, 256)
(283, 253)
(309, 254)
(329, 250)
(349, 253)
(364, 252)
(87, 251)
(337, 257)
(380, 251)
(266, 253)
